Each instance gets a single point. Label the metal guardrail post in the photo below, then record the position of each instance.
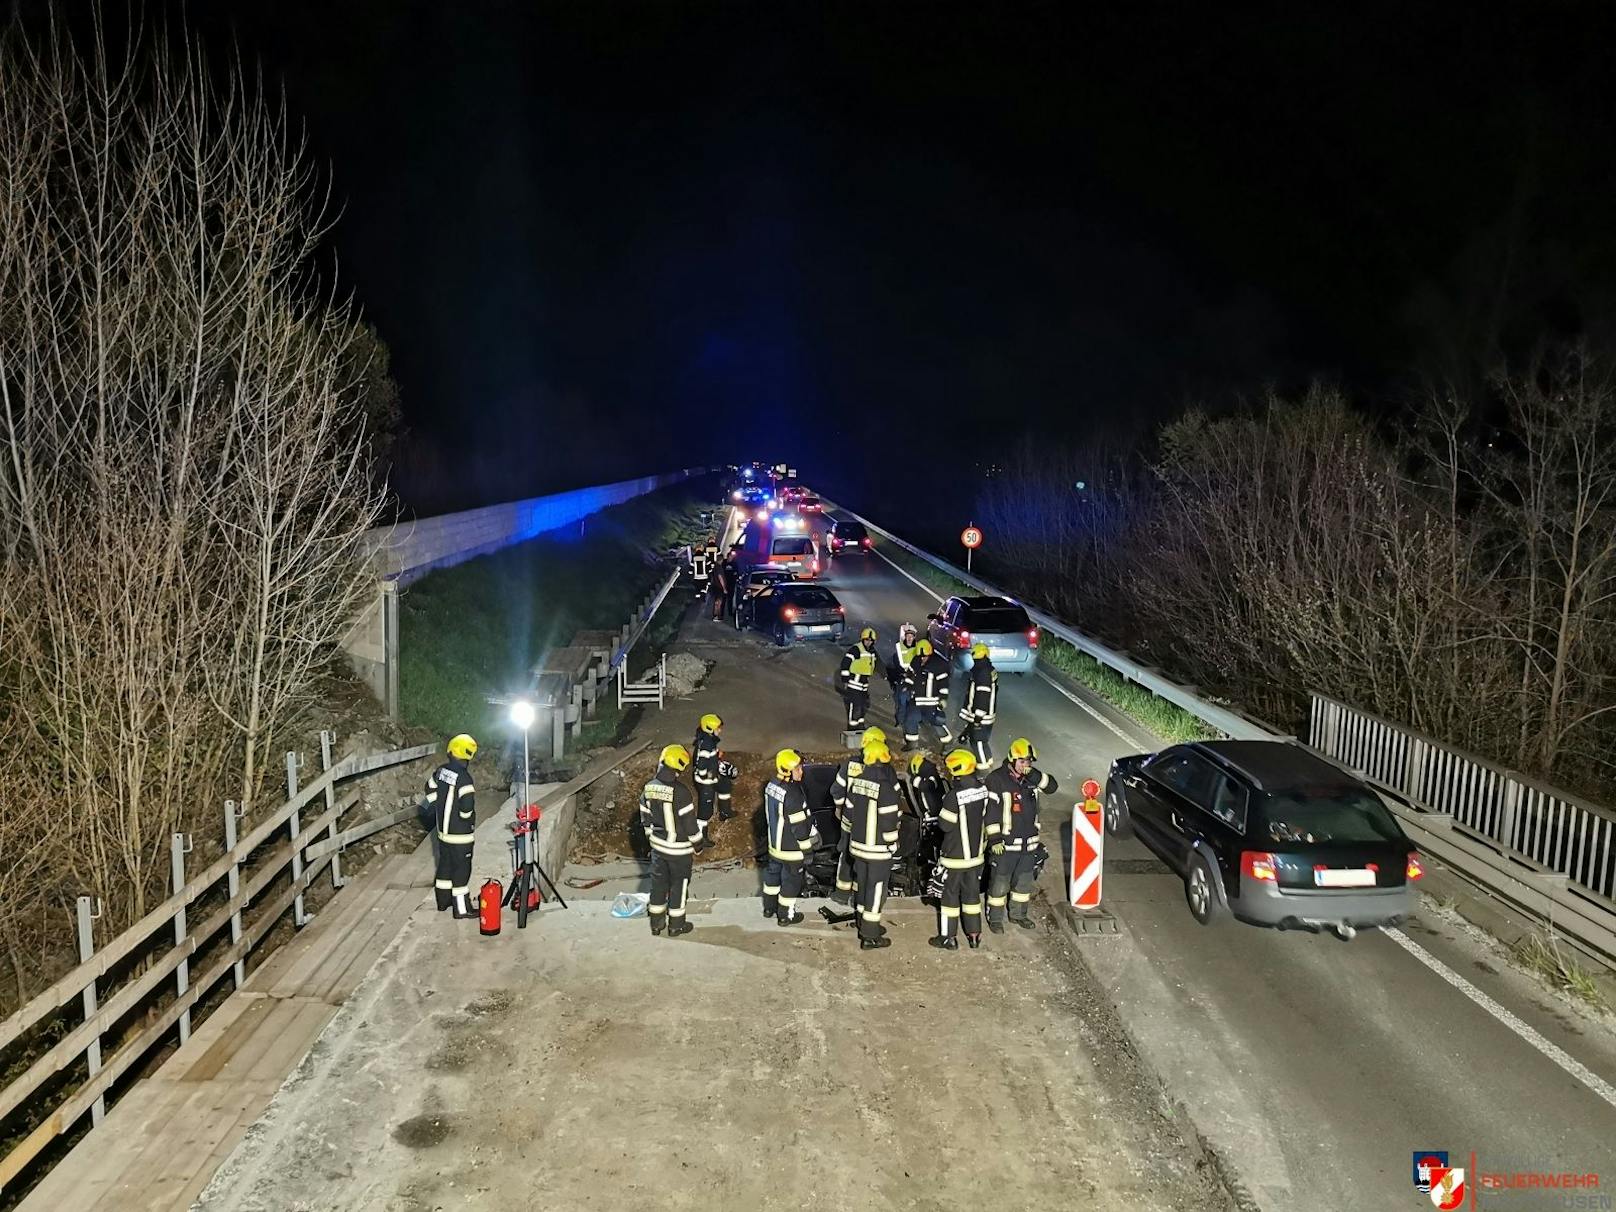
(232, 814)
(179, 845)
(294, 827)
(327, 739)
(87, 913)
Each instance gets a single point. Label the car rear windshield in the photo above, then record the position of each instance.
(1318, 817)
(991, 619)
(809, 597)
(850, 530)
(792, 547)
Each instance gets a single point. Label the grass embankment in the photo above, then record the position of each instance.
(1166, 720)
(476, 630)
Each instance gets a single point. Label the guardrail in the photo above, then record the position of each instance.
(1548, 854)
(310, 848)
(642, 617)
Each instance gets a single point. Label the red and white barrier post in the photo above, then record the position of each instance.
(1088, 849)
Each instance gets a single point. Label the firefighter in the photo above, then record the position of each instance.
(847, 771)
(853, 678)
(453, 800)
(928, 686)
(705, 759)
(926, 787)
(903, 653)
(790, 833)
(964, 822)
(981, 706)
(668, 814)
(1016, 853)
(873, 808)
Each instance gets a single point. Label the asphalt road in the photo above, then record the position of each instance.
(1315, 1067)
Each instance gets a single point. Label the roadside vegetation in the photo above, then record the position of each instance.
(1457, 574)
(477, 630)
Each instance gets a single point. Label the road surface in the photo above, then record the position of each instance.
(1313, 1066)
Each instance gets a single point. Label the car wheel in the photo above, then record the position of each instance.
(782, 637)
(1117, 822)
(1201, 893)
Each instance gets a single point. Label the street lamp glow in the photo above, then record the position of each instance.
(522, 714)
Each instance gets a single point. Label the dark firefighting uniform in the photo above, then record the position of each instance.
(847, 771)
(928, 684)
(858, 667)
(927, 789)
(903, 656)
(980, 709)
(453, 801)
(668, 814)
(1013, 823)
(705, 758)
(723, 585)
(790, 832)
(964, 821)
(873, 807)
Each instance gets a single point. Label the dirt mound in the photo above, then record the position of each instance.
(608, 826)
(685, 673)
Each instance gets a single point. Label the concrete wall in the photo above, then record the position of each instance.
(410, 550)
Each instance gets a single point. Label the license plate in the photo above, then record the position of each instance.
(820, 630)
(1001, 654)
(1343, 877)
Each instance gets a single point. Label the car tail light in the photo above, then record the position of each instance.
(1415, 867)
(864, 542)
(814, 565)
(964, 636)
(841, 610)
(1032, 638)
(1259, 865)
(789, 614)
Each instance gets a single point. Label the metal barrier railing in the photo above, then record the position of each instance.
(1544, 824)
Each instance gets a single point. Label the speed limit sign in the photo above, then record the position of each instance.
(971, 537)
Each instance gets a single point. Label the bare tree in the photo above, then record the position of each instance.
(185, 473)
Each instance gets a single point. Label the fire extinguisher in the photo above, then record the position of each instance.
(488, 902)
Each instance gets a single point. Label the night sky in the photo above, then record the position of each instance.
(604, 239)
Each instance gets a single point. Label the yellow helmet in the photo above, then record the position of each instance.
(675, 757)
(877, 751)
(923, 649)
(1021, 748)
(979, 651)
(916, 762)
(710, 724)
(786, 761)
(960, 762)
(463, 747)
(872, 733)
(867, 633)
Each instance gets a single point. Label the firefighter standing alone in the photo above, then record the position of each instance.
(853, 678)
(668, 814)
(1016, 851)
(453, 800)
(706, 758)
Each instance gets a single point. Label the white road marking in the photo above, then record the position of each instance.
(1527, 1033)
(925, 587)
(1130, 741)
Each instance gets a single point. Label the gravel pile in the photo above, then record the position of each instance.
(685, 673)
